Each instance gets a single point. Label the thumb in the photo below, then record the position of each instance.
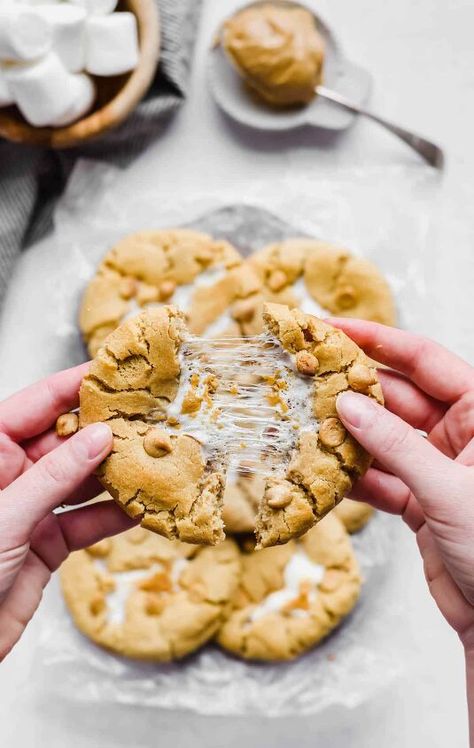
(433, 478)
(27, 500)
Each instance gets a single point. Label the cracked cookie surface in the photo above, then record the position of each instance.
(146, 597)
(160, 477)
(177, 266)
(292, 596)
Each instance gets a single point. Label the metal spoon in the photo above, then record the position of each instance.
(427, 150)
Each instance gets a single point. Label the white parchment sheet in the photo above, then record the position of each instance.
(382, 214)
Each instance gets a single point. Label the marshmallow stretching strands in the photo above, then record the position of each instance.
(111, 44)
(44, 91)
(97, 7)
(68, 26)
(24, 35)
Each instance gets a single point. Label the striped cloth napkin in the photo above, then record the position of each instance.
(31, 179)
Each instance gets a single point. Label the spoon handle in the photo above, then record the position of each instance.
(427, 150)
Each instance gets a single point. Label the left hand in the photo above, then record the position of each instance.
(38, 472)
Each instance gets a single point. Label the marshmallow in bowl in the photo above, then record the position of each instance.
(111, 44)
(49, 47)
(97, 7)
(84, 94)
(23, 34)
(43, 91)
(68, 26)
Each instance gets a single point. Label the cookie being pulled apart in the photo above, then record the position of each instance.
(278, 50)
(184, 410)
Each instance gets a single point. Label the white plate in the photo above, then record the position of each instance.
(339, 74)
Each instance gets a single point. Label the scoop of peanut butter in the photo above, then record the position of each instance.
(278, 51)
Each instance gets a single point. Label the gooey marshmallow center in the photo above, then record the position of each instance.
(299, 570)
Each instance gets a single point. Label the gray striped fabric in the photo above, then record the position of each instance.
(31, 180)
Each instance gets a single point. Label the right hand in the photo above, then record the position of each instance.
(428, 481)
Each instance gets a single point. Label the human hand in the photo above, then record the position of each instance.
(38, 472)
(428, 481)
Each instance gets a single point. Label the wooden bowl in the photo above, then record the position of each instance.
(117, 96)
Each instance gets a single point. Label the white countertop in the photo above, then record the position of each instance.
(422, 58)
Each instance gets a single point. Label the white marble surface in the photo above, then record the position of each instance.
(422, 58)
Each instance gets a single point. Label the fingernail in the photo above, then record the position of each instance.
(97, 438)
(356, 410)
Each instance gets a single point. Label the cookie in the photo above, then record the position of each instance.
(354, 514)
(146, 597)
(183, 410)
(179, 266)
(242, 496)
(278, 51)
(318, 278)
(292, 596)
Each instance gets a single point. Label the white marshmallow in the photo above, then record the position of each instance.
(111, 44)
(24, 35)
(68, 25)
(97, 7)
(6, 98)
(84, 97)
(44, 91)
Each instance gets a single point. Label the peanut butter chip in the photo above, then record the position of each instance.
(167, 289)
(155, 605)
(346, 297)
(277, 280)
(67, 424)
(243, 311)
(97, 605)
(128, 288)
(278, 497)
(332, 433)
(306, 363)
(361, 377)
(157, 443)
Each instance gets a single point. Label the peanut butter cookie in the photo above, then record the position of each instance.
(179, 266)
(318, 278)
(354, 515)
(293, 596)
(146, 597)
(184, 410)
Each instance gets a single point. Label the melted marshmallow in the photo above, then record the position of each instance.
(299, 569)
(125, 581)
(242, 422)
(306, 303)
(183, 295)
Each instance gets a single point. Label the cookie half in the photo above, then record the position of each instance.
(184, 409)
(293, 596)
(178, 266)
(146, 597)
